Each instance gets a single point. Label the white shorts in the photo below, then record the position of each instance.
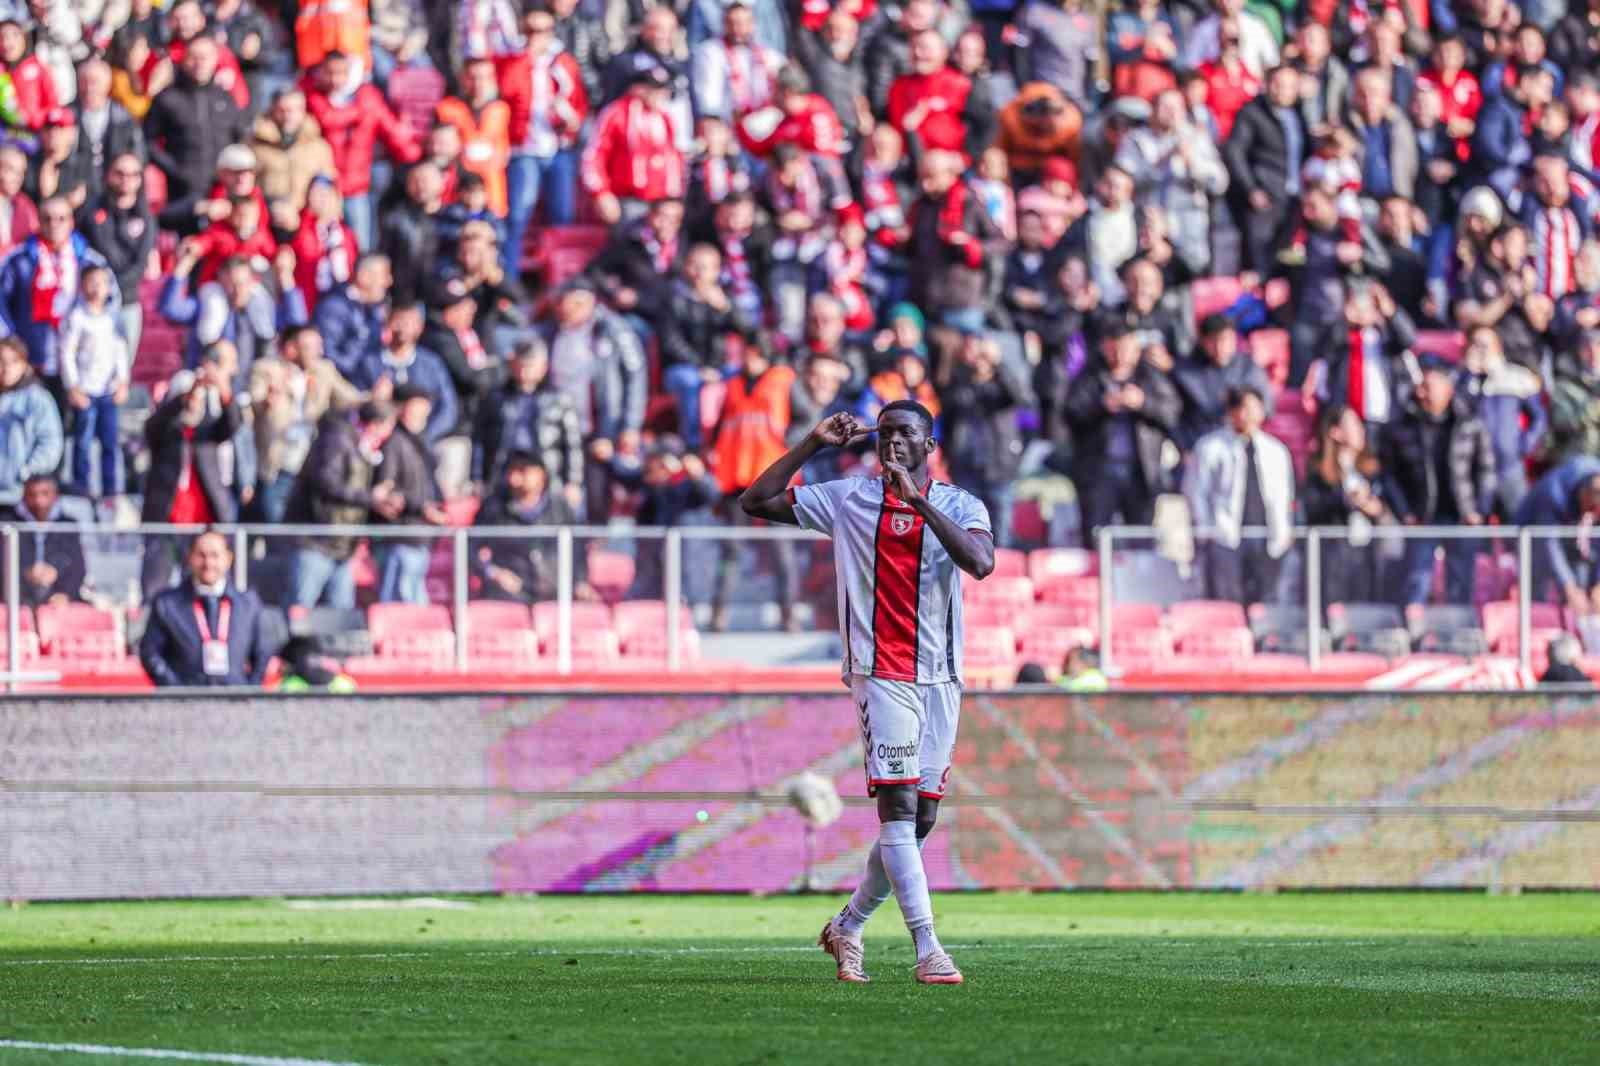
(909, 732)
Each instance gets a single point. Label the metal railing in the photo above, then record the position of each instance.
(564, 541)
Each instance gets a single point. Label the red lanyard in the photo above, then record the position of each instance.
(224, 610)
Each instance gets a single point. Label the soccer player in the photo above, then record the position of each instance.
(899, 544)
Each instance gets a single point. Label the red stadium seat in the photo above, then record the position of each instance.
(1223, 644)
(1049, 647)
(1017, 591)
(649, 646)
(1447, 344)
(497, 616)
(413, 631)
(610, 573)
(1270, 350)
(1213, 295)
(560, 253)
(1065, 589)
(1047, 563)
(1135, 616)
(1057, 616)
(1009, 562)
(985, 613)
(1500, 624)
(1134, 645)
(989, 648)
(586, 618)
(594, 649)
(505, 650)
(81, 633)
(1192, 616)
(633, 618)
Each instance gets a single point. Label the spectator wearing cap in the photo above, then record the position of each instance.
(401, 360)
(1264, 153)
(806, 122)
(1500, 143)
(324, 245)
(1257, 45)
(1039, 125)
(1060, 42)
(951, 244)
(338, 486)
(549, 99)
(1229, 81)
(1206, 379)
(118, 224)
(1575, 399)
(522, 569)
(528, 414)
(36, 91)
(732, 76)
(409, 230)
(1439, 470)
(60, 169)
(237, 306)
(834, 59)
(409, 466)
(979, 402)
(1317, 267)
(31, 440)
(474, 364)
(51, 564)
(632, 157)
(1502, 290)
(19, 215)
(1241, 478)
(1121, 412)
(640, 262)
(692, 343)
(205, 632)
(931, 100)
(1176, 170)
(189, 481)
(596, 360)
(354, 119)
(484, 122)
(39, 283)
(1508, 399)
(291, 154)
(1567, 495)
(190, 122)
(350, 317)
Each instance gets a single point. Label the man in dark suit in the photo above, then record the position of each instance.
(51, 565)
(204, 632)
(1263, 155)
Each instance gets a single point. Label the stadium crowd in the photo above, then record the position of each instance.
(361, 222)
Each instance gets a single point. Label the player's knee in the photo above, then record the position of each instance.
(927, 816)
(897, 803)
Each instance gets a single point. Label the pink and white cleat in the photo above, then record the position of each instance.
(847, 952)
(938, 969)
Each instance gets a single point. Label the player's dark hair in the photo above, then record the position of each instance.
(915, 408)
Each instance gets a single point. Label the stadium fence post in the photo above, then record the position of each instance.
(1314, 598)
(1525, 600)
(564, 600)
(241, 558)
(1106, 662)
(673, 567)
(13, 557)
(458, 591)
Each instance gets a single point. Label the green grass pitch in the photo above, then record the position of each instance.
(1077, 978)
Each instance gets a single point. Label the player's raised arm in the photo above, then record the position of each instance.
(768, 497)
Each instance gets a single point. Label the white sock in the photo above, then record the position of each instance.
(902, 861)
(869, 894)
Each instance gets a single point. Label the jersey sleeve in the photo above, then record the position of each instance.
(970, 513)
(816, 506)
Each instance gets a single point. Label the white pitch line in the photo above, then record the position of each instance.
(548, 953)
(167, 1054)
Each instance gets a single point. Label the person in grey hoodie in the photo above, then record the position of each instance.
(30, 426)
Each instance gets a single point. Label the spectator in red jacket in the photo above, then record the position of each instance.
(36, 90)
(543, 86)
(1229, 83)
(930, 101)
(808, 121)
(353, 123)
(244, 233)
(632, 159)
(325, 246)
(236, 177)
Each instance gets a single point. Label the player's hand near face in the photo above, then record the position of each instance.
(898, 480)
(838, 430)
(768, 496)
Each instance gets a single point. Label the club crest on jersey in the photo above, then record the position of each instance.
(900, 524)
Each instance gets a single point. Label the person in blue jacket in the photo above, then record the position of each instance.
(1565, 496)
(401, 361)
(39, 284)
(204, 632)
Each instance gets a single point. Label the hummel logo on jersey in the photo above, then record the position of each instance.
(900, 524)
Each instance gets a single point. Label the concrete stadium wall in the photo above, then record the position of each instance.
(210, 796)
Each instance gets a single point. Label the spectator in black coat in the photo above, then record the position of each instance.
(1263, 154)
(527, 414)
(1343, 487)
(1406, 279)
(982, 445)
(1204, 380)
(205, 632)
(190, 122)
(475, 367)
(189, 481)
(699, 317)
(669, 486)
(518, 569)
(51, 565)
(1439, 469)
(498, 295)
(408, 466)
(118, 224)
(408, 231)
(105, 129)
(636, 267)
(1122, 411)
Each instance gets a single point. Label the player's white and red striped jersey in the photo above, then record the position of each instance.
(899, 590)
